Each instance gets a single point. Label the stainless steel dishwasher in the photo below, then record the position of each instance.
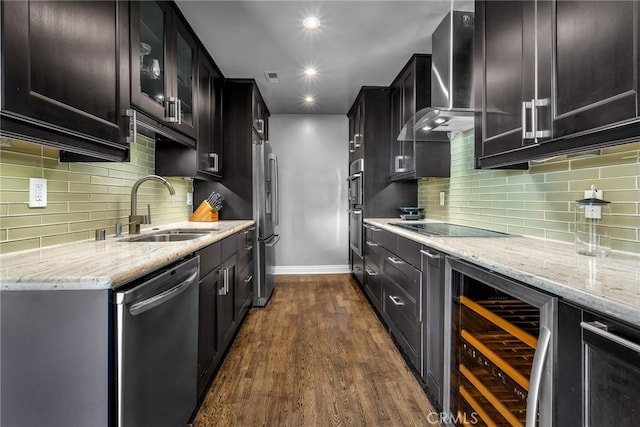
(157, 348)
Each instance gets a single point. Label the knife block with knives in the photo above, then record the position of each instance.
(208, 209)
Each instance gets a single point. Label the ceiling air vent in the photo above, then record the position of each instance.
(271, 77)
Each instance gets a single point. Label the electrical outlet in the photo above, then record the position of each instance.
(37, 193)
(189, 199)
(442, 198)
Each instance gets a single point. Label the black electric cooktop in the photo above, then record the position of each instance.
(444, 229)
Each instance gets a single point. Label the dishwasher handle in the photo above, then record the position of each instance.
(156, 300)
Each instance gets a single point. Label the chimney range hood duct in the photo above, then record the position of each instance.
(451, 82)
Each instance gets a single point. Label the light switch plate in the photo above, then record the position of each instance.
(189, 199)
(37, 193)
(442, 198)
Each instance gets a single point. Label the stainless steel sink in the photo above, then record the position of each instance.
(173, 235)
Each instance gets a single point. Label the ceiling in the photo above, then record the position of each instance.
(359, 43)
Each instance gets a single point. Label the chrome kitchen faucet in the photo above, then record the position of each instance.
(134, 219)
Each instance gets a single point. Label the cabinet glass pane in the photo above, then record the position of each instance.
(185, 82)
(593, 65)
(152, 31)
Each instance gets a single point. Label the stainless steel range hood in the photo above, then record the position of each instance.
(451, 82)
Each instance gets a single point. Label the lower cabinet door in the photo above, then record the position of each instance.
(400, 309)
(226, 314)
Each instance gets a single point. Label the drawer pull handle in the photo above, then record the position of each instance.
(430, 255)
(248, 279)
(374, 228)
(396, 300)
(371, 272)
(395, 260)
(248, 248)
(370, 243)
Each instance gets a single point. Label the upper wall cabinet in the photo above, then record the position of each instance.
(411, 158)
(65, 76)
(553, 77)
(356, 130)
(164, 67)
(205, 161)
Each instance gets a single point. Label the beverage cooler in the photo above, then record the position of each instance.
(501, 369)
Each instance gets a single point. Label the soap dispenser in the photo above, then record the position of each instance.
(591, 230)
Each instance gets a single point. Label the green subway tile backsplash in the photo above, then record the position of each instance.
(81, 197)
(538, 202)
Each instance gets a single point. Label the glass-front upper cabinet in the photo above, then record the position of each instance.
(163, 65)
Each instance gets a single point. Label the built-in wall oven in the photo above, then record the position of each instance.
(500, 369)
(611, 372)
(356, 201)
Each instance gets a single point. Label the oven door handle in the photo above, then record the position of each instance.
(537, 369)
(354, 176)
(601, 329)
(355, 211)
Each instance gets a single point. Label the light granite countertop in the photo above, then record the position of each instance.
(609, 285)
(104, 264)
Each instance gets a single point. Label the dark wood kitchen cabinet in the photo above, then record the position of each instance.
(65, 76)
(206, 160)
(411, 157)
(433, 332)
(548, 83)
(244, 279)
(164, 69)
(356, 129)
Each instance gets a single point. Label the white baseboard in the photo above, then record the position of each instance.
(312, 269)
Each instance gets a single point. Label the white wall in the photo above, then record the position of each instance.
(313, 159)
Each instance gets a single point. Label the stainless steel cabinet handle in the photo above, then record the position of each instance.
(154, 301)
(396, 300)
(536, 103)
(356, 137)
(351, 149)
(260, 127)
(395, 260)
(179, 114)
(172, 109)
(374, 228)
(537, 370)
(131, 125)
(248, 279)
(370, 272)
(248, 248)
(601, 329)
(216, 163)
(366, 225)
(398, 159)
(370, 243)
(429, 254)
(526, 105)
(225, 282)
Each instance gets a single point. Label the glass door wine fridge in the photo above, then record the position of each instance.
(501, 367)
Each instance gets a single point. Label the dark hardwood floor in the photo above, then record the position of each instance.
(316, 355)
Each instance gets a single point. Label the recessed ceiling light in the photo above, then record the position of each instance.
(309, 99)
(310, 72)
(311, 23)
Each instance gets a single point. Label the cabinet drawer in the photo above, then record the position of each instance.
(409, 251)
(400, 309)
(373, 252)
(228, 247)
(386, 239)
(373, 281)
(245, 256)
(404, 275)
(245, 237)
(209, 258)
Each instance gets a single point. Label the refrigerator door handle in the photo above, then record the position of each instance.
(275, 240)
(275, 199)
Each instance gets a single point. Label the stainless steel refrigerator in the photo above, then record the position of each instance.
(266, 216)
